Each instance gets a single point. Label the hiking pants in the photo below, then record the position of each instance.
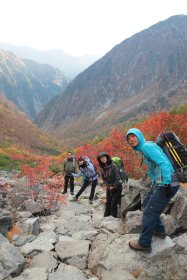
(113, 198)
(85, 185)
(154, 204)
(69, 179)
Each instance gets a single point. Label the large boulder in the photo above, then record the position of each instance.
(10, 257)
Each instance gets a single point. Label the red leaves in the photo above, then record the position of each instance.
(116, 144)
(19, 157)
(41, 174)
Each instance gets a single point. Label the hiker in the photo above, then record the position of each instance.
(87, 169)
(111, 179)
(69, 166)
(164, 186)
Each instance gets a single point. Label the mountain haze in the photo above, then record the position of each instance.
(70, 65)
(28, 84)
(144, 73)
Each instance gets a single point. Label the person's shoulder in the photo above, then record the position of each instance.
(150, 148)
(149, 144)
(113, 165)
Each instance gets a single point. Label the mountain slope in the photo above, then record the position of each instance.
(28, 84)
(17, 130)
(144, 73)
(70, 65)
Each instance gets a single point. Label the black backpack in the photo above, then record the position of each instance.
(175, 151)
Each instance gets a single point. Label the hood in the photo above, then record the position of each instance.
(140, 137)
(109, 160)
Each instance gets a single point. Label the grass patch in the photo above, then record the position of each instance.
(8, 164)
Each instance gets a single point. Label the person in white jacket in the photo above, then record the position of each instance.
(87, 169)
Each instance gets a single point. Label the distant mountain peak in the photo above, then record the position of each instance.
(142, 74)
(69, 64)
(28, 84)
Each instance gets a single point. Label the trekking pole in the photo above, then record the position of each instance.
(173, 151)
(174, 155)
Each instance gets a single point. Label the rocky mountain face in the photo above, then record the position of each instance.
(70, 65)
(144, 73)
(28, 84)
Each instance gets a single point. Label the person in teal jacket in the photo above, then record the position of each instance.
(164, 186)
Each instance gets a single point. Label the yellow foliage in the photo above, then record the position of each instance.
(14, 230)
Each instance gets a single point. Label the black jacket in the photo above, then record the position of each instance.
(109, 173)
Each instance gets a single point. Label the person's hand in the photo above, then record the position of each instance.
(168, 190)
(111, 188)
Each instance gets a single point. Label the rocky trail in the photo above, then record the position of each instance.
(75, 241)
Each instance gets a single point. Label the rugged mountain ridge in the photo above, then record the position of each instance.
(144, 73)
(28, 84)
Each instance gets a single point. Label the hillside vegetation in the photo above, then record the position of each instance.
(115, 144)
(19, 131)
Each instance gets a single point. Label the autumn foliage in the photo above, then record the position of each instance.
(116, 144)
(38, 169)
(41, 174)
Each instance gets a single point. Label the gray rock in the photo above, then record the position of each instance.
(179, 209)
(67, 272)
(33, 206)
(113, 224)
(71, 249)
(45, 260)
(10, 257)
(133, 222)
(20, 239)
(34, 273)
(44, 242)
(5, 222)
(85, 234)
(29, 226)
(25, 214)
(4, 275)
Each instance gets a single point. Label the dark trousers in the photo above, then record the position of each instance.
(85, 185)
(154, 204)
(69, 180)
(113, 198)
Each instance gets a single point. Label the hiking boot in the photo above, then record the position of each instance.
(160, 234)
(134, 244)
(74, 199)
(64, 192)
(90, 202)
(72, 193)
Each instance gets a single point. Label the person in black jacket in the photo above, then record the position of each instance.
(69, 166)
(111, 179)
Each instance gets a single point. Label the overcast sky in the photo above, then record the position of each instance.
(80, 27)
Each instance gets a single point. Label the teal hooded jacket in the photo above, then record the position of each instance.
(160, 169)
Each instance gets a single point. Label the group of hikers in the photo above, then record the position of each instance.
(164, 185)
(112, 177)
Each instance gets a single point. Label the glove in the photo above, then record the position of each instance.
(168, 190)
